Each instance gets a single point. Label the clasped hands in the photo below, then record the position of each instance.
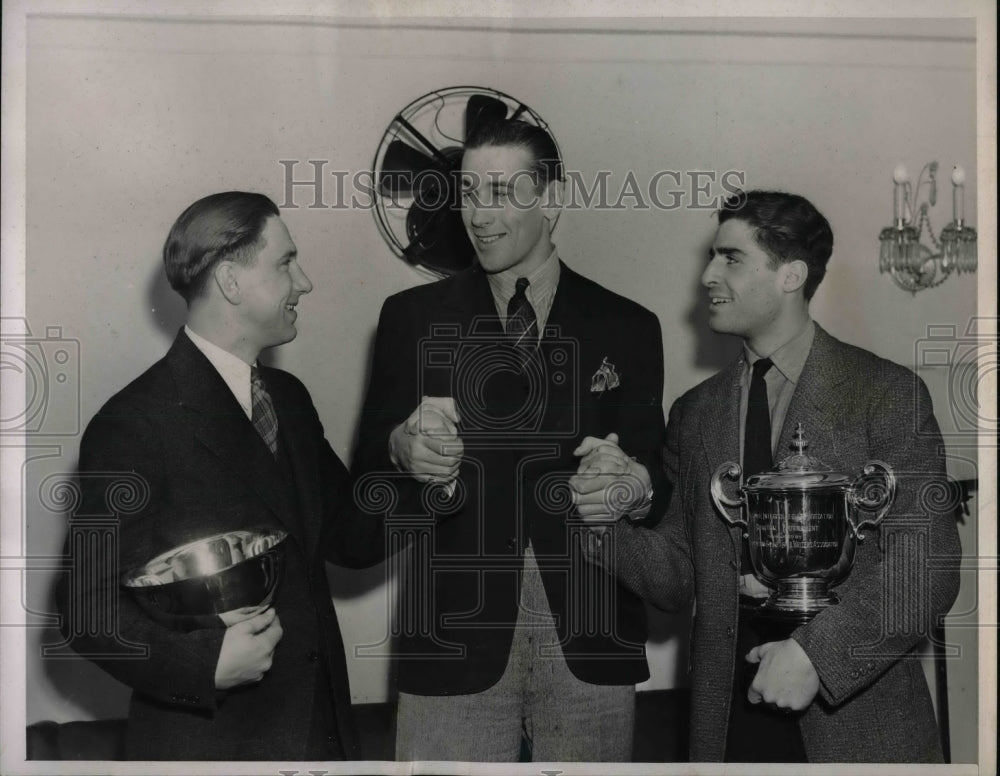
(607, 483)
(427, 444)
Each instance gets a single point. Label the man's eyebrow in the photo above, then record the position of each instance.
(724, 250)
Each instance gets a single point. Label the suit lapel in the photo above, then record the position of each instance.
(471, 296)
(720, 436)
(294, 436)
(566, 306)
(813, 403)
(223, 427)
(720, 417)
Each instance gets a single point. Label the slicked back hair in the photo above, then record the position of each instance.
(546, 164)
(227, 226)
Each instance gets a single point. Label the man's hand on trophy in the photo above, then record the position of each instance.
(785, 678)
(608, 483)
(427, 444)
(247, 650)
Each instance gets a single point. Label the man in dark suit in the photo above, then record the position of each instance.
(214, 442)
(845, 686)
(483, 386)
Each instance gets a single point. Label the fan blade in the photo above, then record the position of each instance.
(401, 168)
(438, 239)
(481, 109)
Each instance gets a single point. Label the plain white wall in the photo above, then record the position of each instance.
(130, 121)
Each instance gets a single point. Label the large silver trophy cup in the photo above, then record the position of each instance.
(801, 524)
(232, 575)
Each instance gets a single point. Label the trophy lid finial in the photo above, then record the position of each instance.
(800, 461)
(799, 441)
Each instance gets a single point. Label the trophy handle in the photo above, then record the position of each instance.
(732, 471)
(880, 503)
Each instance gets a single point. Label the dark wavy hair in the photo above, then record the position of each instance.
(787, 227)
(226, 226)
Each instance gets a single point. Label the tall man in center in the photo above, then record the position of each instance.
(483, 387)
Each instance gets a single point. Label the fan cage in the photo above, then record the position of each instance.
(425, 115)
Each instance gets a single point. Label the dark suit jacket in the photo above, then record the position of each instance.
(459, 599)
(200, 468)
(873, 704)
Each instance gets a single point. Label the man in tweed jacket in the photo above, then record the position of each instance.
(846, 686)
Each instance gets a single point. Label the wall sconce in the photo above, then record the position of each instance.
(913, 265)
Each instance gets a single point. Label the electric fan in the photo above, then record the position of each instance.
(415, 173)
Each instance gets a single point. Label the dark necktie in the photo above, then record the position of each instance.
(756, 435)
(757, 734)
(263, 416)
(522, 323)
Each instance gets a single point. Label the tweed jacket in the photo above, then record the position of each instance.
(459, 593)
(873, 704)
(178, 437)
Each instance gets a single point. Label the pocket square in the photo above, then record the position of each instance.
(605, 378)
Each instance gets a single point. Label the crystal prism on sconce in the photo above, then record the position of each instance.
(913, 265)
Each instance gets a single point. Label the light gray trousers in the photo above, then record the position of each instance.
(562, 718)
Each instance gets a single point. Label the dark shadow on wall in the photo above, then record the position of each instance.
(166, 307)
(90, 691)
(712, 351)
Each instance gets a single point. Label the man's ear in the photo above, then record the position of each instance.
(552, 200)
(226, 281)
(794, 276)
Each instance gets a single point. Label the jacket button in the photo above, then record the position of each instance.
(730, 630)
(512, 543)
(313, 656)
(732, 564)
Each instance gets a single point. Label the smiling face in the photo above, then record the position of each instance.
(502, 209)
(747, 295)
(269, 288)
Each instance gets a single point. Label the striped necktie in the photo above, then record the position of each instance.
(522, 323)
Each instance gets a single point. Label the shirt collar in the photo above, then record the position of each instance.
(541, 283)
(232, 369)
(790, 358)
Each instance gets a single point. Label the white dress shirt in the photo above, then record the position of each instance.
(234, 370)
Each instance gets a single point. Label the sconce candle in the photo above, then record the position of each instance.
(958, 194)
(900, 178)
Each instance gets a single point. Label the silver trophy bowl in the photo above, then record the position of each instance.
(232, 574)
(802, 523)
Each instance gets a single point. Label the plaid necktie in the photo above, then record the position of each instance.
(522, 323)
(264, 419)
